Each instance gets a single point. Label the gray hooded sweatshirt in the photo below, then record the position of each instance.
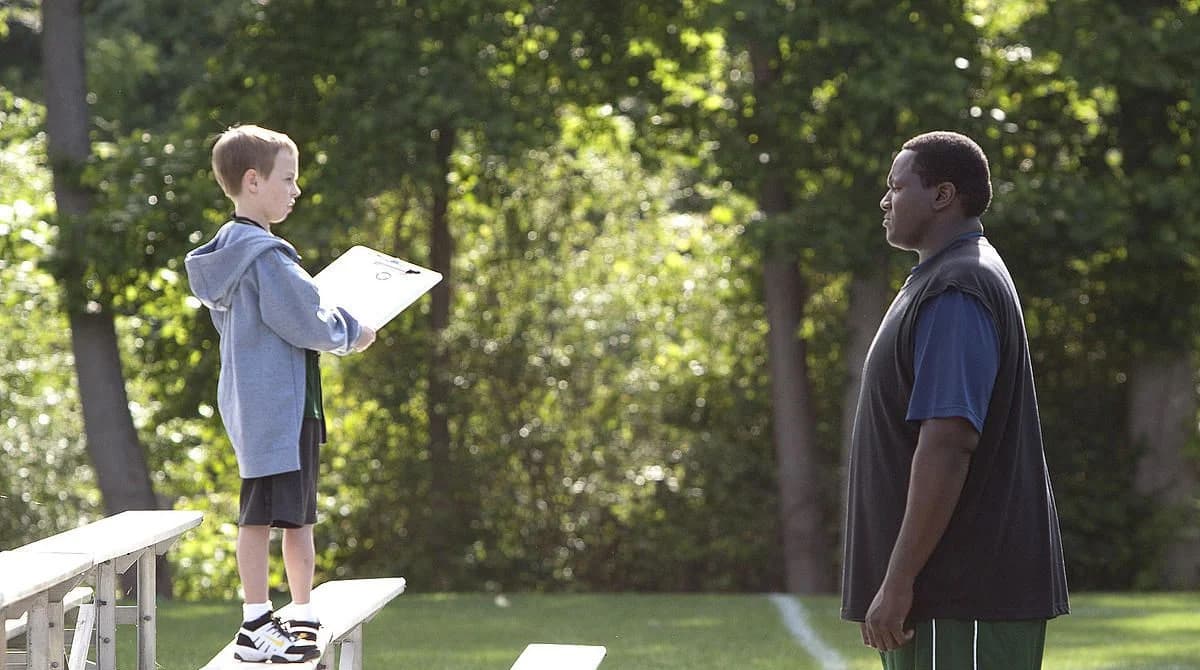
(267, 312)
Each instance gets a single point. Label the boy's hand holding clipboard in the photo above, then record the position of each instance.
(373, 286)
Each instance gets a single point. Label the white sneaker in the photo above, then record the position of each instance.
(303, 630)
(266, 640)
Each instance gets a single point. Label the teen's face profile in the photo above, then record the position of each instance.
(907, 204)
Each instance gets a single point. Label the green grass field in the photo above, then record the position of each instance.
(677, 632)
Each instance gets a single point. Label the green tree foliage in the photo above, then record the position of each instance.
(47, 482)
(1093, 123)
(600, 167)
(1097, 115)
(425, 78)
(801, 105)
(605, 381)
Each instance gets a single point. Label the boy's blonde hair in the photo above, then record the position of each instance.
(241, 148)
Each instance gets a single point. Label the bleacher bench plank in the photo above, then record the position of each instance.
(560, 657)
(343, 607)
(115, 544)
(121, 534)
(23, 576)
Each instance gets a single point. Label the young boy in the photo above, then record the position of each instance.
(267, 312)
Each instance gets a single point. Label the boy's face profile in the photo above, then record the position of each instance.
(275, 194)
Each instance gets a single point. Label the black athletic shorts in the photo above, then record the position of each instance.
(288, 499)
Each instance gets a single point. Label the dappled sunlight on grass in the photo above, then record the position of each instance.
(1127, 632)
(640, 631)
(693, 632)
(188, 634)
(1104, 632)
(686, 623)
(825, 617)
(484, 632)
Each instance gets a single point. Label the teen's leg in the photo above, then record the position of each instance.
(1011, 645)
(936, 645)
(299, 561)
(971, 645)
(253, 547)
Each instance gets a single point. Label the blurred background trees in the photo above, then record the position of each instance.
(659, 227)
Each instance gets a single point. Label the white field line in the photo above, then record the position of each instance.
(795, 617)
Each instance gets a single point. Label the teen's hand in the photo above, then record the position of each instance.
(365, 338)
(884, 628)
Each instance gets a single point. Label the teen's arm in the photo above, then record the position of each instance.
(939, 469)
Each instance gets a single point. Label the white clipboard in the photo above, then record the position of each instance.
(373, 286)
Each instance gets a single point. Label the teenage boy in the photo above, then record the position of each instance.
(953, 555)
(268, 314)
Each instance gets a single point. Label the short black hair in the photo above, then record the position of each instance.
(944, 156)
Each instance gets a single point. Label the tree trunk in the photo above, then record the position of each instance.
(806, 550)
(1162, 415)
(112, 442)
(1162, 392)
(805, 546)
(441, 465)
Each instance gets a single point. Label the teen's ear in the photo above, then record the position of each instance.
(944, 196)
(250, 180)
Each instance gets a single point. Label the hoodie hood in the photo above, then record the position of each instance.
(215, 268)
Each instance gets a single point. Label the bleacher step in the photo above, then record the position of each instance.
(560, 657)
(343, 606)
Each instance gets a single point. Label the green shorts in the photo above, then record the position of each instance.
(951, 644)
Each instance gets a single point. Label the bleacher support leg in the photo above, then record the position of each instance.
(38, 644)
(351, 647)
(106, 616)
(57, 637)
(147, 610)
(85, 624)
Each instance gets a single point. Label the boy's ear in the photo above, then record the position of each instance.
(250, 180)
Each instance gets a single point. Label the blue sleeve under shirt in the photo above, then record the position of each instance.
(956, 357)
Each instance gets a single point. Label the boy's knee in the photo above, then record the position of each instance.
(299, 531)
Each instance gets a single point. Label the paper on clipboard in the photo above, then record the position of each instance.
(373, 286)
